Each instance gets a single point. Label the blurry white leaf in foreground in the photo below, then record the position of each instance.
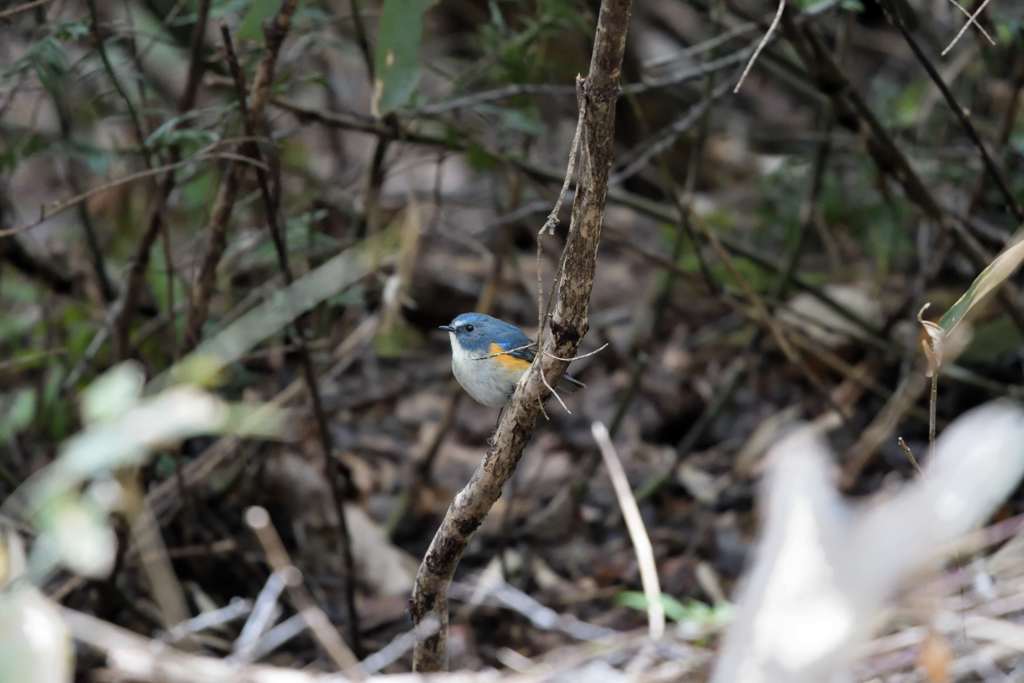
(824, 568)
(12, 555)
(113, 393)
(34, 642)
(124, 430)
(170, 416)
(77, 532)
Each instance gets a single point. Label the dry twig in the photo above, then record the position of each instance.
(637, 531)
(972, 19)
(259, 521)
(760, 46)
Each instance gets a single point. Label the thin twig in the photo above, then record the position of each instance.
(156, 224)
(637, 530)
(570, 170)
(8, 13)
(555, 394)
(760, 46)
(213, 618)
(599, 349)
(908, 452)
(505, 353)
(224, 203)
(71, 177)
(133, 115)
(265, 612)
(973, 19)
(361, 39)
(666, 137)
(48, 212)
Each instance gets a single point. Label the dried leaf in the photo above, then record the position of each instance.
(935, 338)
(995, 273)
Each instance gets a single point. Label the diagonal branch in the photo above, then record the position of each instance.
(567, 324)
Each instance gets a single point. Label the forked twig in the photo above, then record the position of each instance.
(972, 20)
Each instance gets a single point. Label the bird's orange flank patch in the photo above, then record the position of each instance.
(507, 360)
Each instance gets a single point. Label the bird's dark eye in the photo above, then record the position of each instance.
(468, 328)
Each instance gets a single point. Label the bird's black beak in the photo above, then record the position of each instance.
(446, 328)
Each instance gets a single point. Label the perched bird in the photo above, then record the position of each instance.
(490, 355)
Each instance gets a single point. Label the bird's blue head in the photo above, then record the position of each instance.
(475, 332)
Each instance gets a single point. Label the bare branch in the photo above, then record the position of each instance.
(760, 46)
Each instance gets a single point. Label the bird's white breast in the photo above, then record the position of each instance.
(482, 378)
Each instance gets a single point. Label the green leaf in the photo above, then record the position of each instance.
(937, 342)
(284, 305)
(479, 158)
(49, 62)
(251, 27)
(173, 132)
(693, 611)
(995, 274)
(397, 59)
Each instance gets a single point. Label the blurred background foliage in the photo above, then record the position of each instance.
(412, 151)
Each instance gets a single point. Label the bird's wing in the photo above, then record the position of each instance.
(516, 350)
(567, 381)
(515, 342)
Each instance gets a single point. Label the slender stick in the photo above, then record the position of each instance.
(637, 531)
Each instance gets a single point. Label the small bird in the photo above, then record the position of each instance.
(490, 355)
